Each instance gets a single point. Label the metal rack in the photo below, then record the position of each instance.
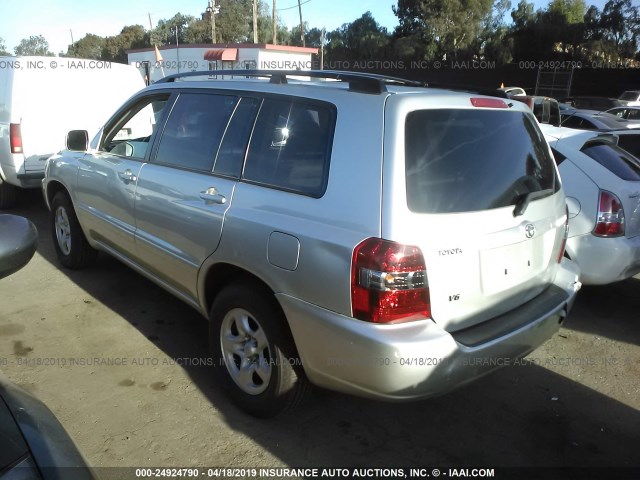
(358, 82)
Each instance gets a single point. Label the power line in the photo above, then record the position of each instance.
(295, 6)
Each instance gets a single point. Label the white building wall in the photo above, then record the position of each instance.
(275, 60)
(191, 59)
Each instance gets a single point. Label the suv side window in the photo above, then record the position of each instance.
(129, 136)
(234, 145)
(291, 146)
(194, 129)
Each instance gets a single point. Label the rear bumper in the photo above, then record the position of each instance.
(20, 178)
(418, 359)
(605, 260)
(31, 179)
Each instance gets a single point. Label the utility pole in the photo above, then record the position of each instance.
(151, 39)
(73, 47)
(275, 24)
(212, 11)
(322, 48)
(255, 21)
(301, 25)
(177, 49)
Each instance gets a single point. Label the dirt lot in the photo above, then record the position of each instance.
(575, 403)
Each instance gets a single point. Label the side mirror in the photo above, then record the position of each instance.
(78, 140)
(18, 243)
(554, 117)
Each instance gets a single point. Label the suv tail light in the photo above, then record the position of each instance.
(389, 282)
(563, 244)
(15, 138)
(610, 218)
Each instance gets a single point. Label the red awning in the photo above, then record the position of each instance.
(221, 54)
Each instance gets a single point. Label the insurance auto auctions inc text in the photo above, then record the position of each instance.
(269, 473)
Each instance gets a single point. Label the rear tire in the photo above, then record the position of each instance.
(72, 248)
(255, 359)
(8, 195)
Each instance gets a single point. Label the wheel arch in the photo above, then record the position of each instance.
(219, 275)
(53, 188)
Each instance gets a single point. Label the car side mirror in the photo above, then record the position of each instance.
(18, 243)
(78, 140)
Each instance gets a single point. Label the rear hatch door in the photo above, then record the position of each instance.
(477, 190)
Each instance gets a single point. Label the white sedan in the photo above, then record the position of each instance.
(602, 183)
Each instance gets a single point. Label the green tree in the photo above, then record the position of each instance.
(548, 34)
(494, 42)
(563, 24)
(34, 45)
(620, 25)
(362, 39)
(592, 23)
(131, 37)
(495, 18)
(198, 31)
(265, 31)
(295, 36)
(594, 44)
(314, 37)
(3, 48)
(573, 10)
(449, 27)
(90, 46)
(366, 37)
(265, 27)
(233, 23)
(523, 15)
(165, 31)
(412, 46)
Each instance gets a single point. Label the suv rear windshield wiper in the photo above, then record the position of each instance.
(524, 200)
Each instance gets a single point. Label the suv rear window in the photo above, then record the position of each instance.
(470, 160)
(615, 159)
(291, 146)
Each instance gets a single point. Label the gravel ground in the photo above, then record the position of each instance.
(104, 349)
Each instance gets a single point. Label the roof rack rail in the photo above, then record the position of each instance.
(358, 82)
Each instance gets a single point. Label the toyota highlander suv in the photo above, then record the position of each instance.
(360, 233)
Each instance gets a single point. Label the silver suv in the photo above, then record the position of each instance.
(359, 233)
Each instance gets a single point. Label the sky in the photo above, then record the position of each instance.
(57, 20)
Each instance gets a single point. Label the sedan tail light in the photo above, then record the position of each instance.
(610, 218)
(563, 244)
(389, 282)
(15, 138)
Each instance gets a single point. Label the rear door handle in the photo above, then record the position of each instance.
(211, 195)
(127, 176)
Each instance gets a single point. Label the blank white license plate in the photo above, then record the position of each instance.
(504, 267)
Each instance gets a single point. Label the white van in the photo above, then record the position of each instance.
(43, 98)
